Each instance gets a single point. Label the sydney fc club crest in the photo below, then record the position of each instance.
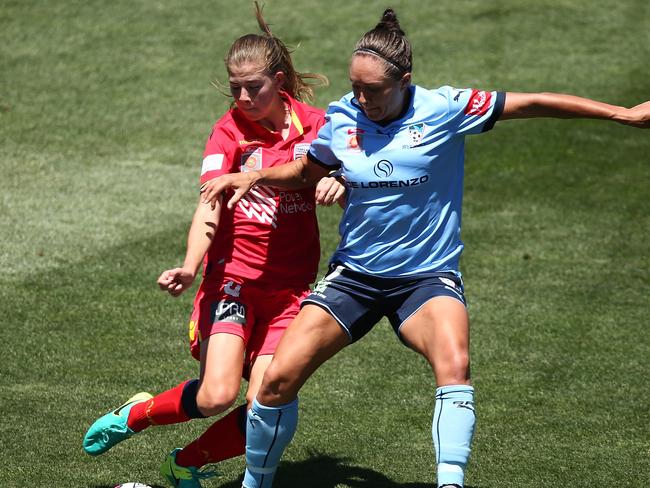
(416, 131)
(251, 159)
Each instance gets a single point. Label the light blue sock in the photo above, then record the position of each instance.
(453, 428)
(268, 432)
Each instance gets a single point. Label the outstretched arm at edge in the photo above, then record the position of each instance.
(557, 105)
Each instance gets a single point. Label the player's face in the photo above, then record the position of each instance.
(381, 98)
(256, 93)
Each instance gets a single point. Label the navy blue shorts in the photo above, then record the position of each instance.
(358, 301)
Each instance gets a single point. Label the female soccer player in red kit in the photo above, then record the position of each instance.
(259, 259)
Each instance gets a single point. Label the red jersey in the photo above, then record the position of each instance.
(271, 235)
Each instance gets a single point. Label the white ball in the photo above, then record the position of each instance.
(132, 484)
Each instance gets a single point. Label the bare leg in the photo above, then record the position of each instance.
(222, 360)
(439, 331)
(312, 338)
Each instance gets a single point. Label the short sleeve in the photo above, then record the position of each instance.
(217, 158)
(321, 151)
(473, 111)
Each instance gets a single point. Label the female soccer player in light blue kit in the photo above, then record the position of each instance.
(400, 149)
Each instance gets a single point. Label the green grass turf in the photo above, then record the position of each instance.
(104, 109)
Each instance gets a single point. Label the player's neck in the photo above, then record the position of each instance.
(279, 120)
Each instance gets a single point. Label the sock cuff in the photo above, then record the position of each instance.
(258, 407)
(450, 391)
(188, 399)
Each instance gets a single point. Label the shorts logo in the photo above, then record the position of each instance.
(321, 286)
(383, 168)
(300, 149)
(479, 103)
(251, 160)
(192, 330)
(416, 131)
(229, 311)
(448, 282)
(232, 289)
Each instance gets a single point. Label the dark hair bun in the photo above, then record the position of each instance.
(389, 22)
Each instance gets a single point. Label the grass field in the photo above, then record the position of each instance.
(104, 111)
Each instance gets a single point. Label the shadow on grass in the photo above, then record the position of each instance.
(322, 471)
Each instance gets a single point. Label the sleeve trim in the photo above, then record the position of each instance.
(499, 104)
(320, 163)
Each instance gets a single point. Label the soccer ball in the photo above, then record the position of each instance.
(132, 485)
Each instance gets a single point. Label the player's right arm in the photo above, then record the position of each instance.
(301, 173)
(202, 231)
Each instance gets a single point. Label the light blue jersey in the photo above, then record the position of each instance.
(405, 179)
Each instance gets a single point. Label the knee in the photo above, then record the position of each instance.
(453, 368)
(278, 387)
(212, 400)
(459, 362)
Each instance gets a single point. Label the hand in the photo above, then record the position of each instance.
(240, 182)
(176, 281)
(329, 190)
(638, 116)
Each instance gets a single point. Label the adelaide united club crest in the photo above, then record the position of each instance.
(251, 159)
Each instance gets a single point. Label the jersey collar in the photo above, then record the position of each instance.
(397, 123)
(300, 123)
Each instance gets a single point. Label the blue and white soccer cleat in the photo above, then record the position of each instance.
(111, 428)
(181, 476)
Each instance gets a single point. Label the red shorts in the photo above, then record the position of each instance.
(258, 315)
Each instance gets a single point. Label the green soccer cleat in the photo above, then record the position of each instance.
(180, 476)
(111, 428)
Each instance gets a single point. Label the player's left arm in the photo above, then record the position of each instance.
(561, 106)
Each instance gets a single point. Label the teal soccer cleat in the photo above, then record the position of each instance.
(111, 428)
(181, 476)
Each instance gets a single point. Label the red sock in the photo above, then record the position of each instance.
(165, 408)
(224, 439)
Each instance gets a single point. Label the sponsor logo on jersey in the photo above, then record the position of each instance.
(390, 183)
(383, 168)
(416, 131)
(479, 103)
(260, 203)
(292, 202)
(251, 159)
(355, 139)
(300, 149)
